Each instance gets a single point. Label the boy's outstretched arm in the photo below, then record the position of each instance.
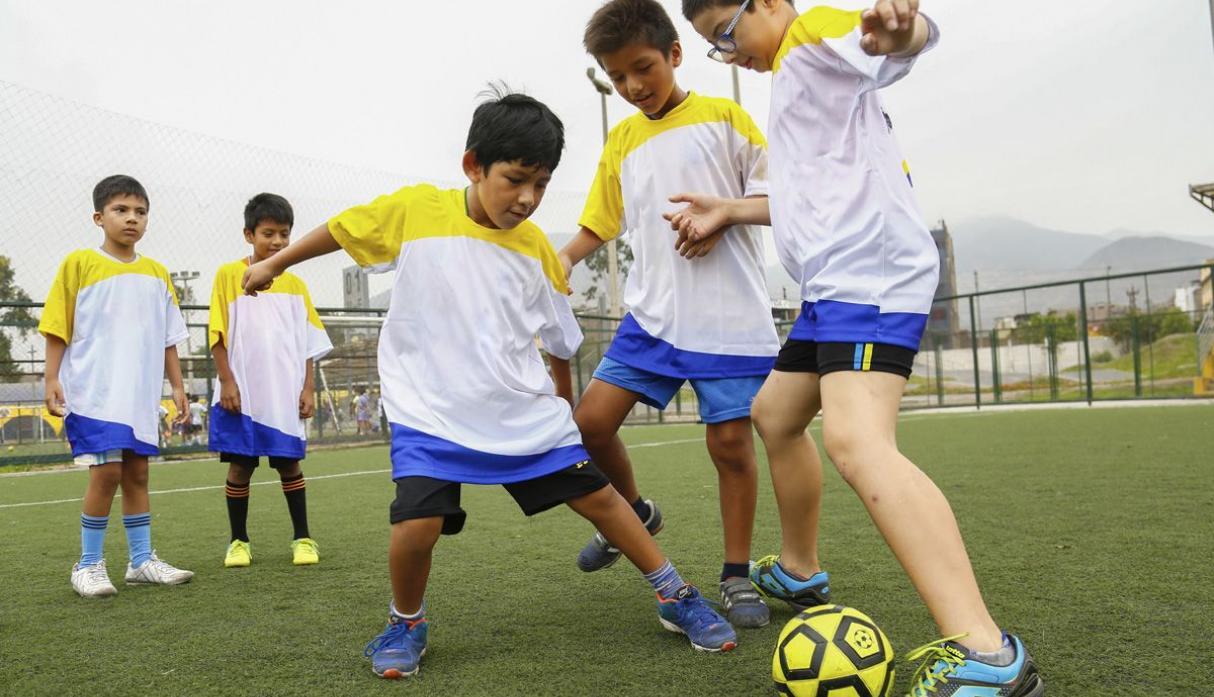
(705, 214)
(317, 243)
(583, 244)
(893, 27)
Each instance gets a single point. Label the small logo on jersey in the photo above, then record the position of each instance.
(889, 123)
(906, 169)
(582, 464)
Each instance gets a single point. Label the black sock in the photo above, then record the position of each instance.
(735, 571)
(641, 508)
(295, 489)
(238, 510)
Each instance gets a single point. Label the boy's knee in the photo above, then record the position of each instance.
(772, 420)
(135, 475)
(110, 475)
(596, 503)
(417, 533)
(852, 450)
(595, 429)
(732, 449)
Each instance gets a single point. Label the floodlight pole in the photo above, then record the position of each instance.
(613, 265)
(1212, 15)
(737, 86)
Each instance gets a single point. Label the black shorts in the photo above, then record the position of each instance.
(423, 497)
(825, 358)
(250, 463)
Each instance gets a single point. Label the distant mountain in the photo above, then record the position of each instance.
(1134, 253)
(1006, 244)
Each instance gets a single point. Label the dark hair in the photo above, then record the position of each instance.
(623, 22)
(511, 126)
(268, 207)
(691, 8)
(114, 186)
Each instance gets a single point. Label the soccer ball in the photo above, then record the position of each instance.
(833, 651)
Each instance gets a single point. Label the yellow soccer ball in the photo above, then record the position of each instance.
(833, 651)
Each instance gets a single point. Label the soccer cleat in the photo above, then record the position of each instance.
(688, 613)
(305, 551)
(240, 554)
(155, 572)
(598, 552)
(92, 581)
(397, 652)
(948, 668)
(770, 579)
(743, 605)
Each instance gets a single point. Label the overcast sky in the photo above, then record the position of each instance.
(1081, 116)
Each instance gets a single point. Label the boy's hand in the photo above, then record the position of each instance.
(229, 395)
(258, 277)
(567, 265)
(307, 404)
(692, 250)
(55, 402)
(183, 406)
(889, 27)
(703, 216)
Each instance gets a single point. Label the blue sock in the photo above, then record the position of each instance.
(734, 570)
(138, 537)
(92, 538)
(666, 581)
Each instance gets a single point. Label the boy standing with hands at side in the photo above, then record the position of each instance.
(112, 326)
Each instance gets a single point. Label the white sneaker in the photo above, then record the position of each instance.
(92, 581)
(157, 572)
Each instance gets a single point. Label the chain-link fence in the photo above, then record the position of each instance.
(1121, 336)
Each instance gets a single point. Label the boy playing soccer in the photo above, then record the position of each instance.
(263, 348)
(725, 347)
(112, 326)
(849, 230)
(465, 390)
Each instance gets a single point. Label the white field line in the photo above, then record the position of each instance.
(268, 483)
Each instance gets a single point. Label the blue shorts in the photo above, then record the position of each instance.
(721, 399)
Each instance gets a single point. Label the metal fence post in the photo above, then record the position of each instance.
(996, 378)
(974, 346)
(939, 372)
(1137, 349)
(1083, 330)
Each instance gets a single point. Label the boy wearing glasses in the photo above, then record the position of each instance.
(848, 228)
(725, 347)
(466, 393)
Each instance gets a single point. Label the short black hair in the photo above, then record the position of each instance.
(622, 22)
(114, 186)
(691, 8)
(510, 126)
(268, 207)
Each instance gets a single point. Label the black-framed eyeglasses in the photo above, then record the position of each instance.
(725, 42)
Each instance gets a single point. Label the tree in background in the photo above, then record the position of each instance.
(16, 319)
(597, 265)
(1037, 327)
(1150, 328)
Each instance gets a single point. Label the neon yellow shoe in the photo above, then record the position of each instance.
(306, 551)
(240, 553)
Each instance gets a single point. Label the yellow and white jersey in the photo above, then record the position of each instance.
(846, 222)
(117, 319)
(708, 317)
(465, 390)
(269, 339)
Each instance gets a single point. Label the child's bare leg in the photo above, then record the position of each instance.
(134, 484)
(613, 517)
(782, 412)
(599, 415)
(239, 475)
(731, 447)
(861, 411)
(103, 484)
(409, 557)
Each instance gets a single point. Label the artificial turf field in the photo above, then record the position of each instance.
(1091, 531)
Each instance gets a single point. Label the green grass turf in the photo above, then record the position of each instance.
(1090, 532)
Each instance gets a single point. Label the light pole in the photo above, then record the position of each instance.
(737, 86)
(613, 265)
